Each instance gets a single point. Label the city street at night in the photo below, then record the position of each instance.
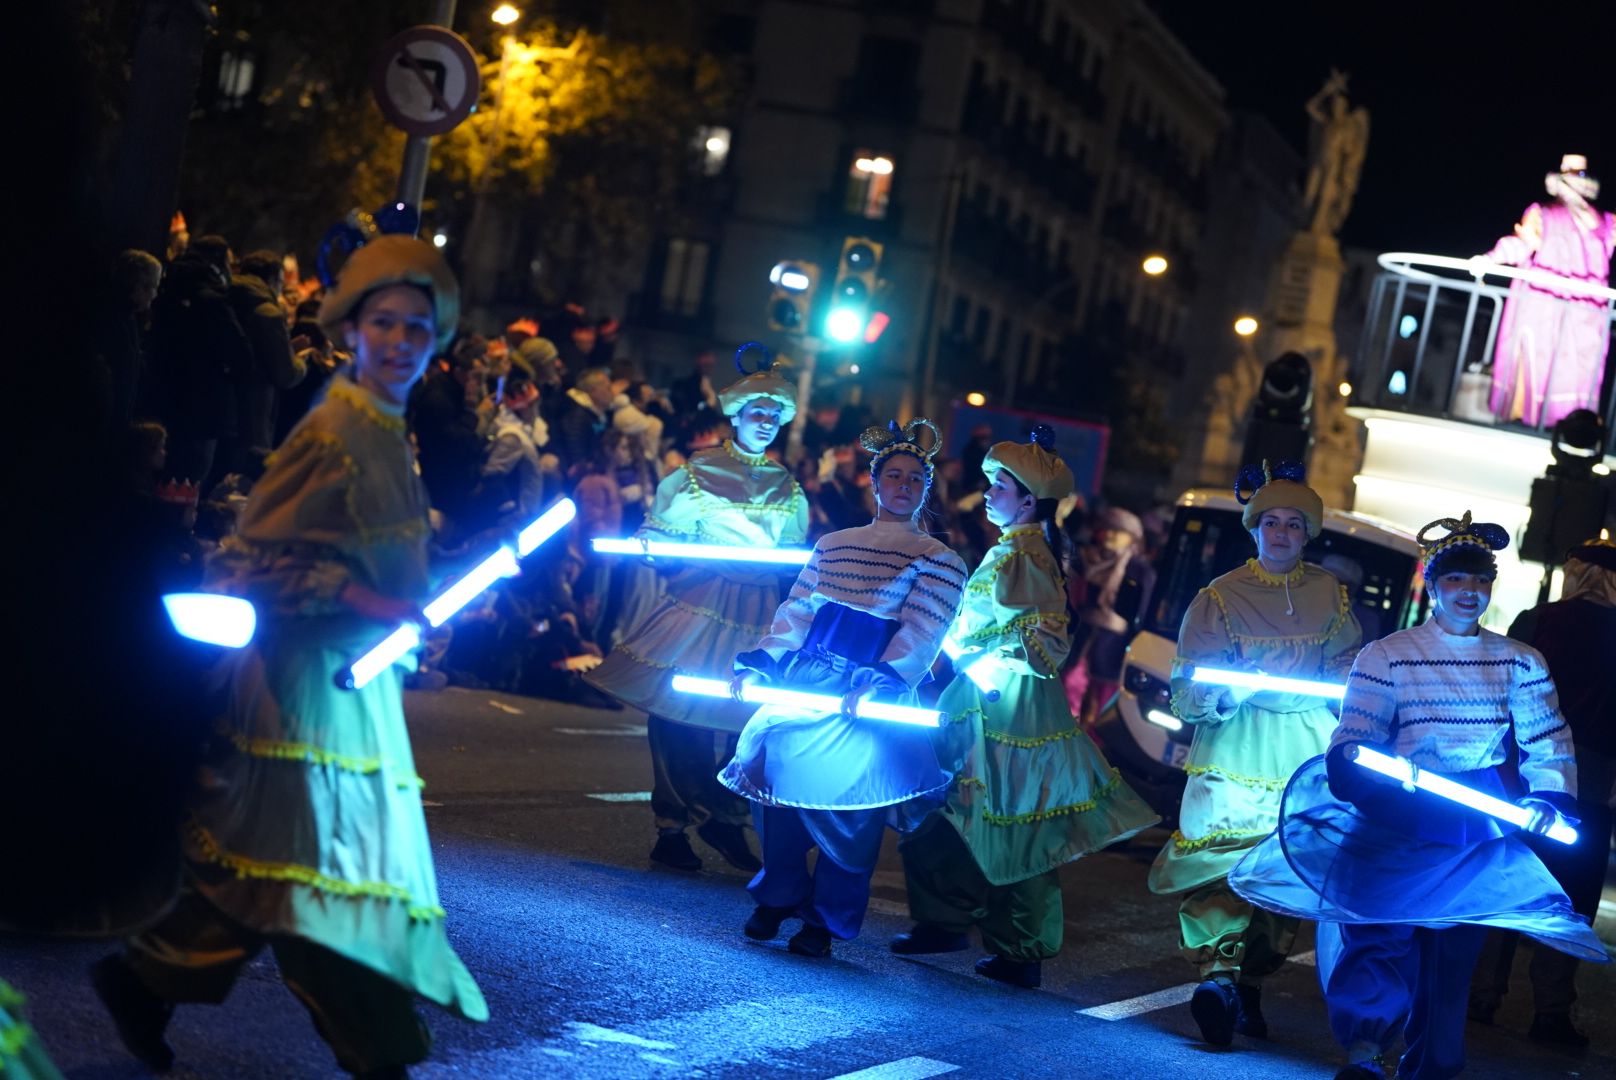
(597, 964)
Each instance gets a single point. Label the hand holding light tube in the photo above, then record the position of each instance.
(1411, 776)
(979, 668)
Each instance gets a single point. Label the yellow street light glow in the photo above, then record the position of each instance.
(1245, 326)
(977, 398)
(505, 14)
(880, 166)
(1345, 389)
(717, 144)
(1154, 265)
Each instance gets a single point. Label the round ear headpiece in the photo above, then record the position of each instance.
(765, 360)
(882, 441)
(1462, 531)
(1043, 437)
(1253, 477)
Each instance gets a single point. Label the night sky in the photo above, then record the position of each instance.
(1467, 110)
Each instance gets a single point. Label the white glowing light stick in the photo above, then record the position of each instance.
(802, 699)
(1285, 685)
(737, 553)
(1163, 719)
(501, 564)
(1410, 775)
(208, 617)
(979, 669)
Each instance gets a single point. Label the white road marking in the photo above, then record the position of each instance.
(625, 730)
(621, 796)
(888, 907)
(909, 1068)
(592, 1033)
(502, 707)
(1161, 999)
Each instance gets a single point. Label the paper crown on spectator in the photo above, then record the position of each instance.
(883, 442)
(1274, 486)
(1040, 470)
(394, 259)
(523, 326)
(178, 492)
(763, 381)
(1468, 545)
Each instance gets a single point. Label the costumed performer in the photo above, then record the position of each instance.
(1551, 343)
(1279, 616)
(729, 494)
(1031, 790)
(866, 616)
(1403, 883)
(307, 833)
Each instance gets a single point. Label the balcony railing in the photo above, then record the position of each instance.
(1430, 338)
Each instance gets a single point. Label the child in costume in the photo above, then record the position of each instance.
(1279, 616)
(730, 494)
(1405, 883)
(308, 834)
(1031, 790)
(867, 616)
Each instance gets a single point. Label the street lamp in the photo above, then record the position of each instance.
(505, 14)
(976, 398)
(1245, 326)
(1154, 265)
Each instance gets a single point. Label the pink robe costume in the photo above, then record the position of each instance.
(1552, 343)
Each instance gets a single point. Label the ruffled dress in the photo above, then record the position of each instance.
(876, 598)
(1032, 791)
(1240, 759)
(310, 823)
(711, 610)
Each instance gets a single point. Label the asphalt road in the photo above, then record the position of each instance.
(597, 964)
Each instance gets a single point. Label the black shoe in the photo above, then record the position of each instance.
(729, 841)
(811, 940)
(1030, 976)
(764, 923)
(1555, 1029)
(1361, 1070)
(673, 849)
(926, 938)
(1216, 1008)
(1250, 1021)
(140, 1015)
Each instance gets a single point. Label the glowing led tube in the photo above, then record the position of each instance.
(208, 617)
(671, 549)
(801, 699)
(501, 564)
(1163, 719)
(976, 671)
(1224, 677)
(1405, 772)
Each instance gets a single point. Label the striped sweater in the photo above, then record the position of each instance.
(886, 568)
(1447, 704)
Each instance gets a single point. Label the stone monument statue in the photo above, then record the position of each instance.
(1337, 143)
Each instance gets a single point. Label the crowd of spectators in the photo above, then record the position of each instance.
(209, 360)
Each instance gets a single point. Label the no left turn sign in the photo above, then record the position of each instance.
(425, 80)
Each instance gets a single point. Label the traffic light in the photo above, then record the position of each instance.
(1281, 421)
(855, 287)
(794, 283)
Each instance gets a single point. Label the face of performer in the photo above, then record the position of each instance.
(391, 336)
(1006, 504)
(1459, 599)
(1281, 534)
(900, 488)
(757, 424)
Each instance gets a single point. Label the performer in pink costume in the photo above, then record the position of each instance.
(1552, 342)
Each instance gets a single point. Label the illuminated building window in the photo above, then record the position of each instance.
(236, 71)
(684, 276)
(869, 184)
(713, 145)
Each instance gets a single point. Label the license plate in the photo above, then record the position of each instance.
(1175, 754)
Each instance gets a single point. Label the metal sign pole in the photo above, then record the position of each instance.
(418, 148)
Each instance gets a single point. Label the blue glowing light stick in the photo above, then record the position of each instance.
(802, 699)
(1284, 684)
(979, 669)
(1412, 776)
(729, 553)
(501, 564)
(208, 617)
